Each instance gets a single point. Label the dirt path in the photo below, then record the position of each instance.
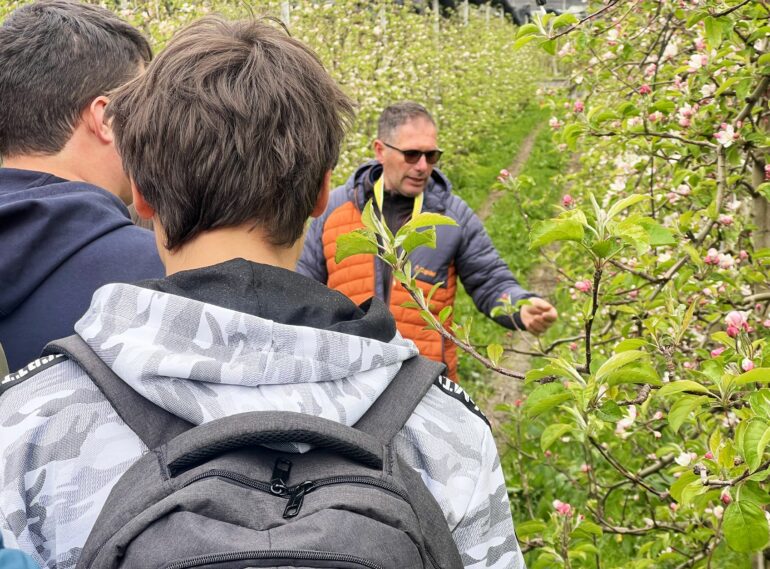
(515, 169)
(504, 390)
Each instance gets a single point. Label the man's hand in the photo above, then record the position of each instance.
(538, 316)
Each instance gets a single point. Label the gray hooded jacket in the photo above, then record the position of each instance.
(213, 342)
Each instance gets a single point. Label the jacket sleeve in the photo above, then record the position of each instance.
(483, 273)
(485, 535)
(312, 262)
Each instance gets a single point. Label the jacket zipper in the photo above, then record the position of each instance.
(279, 553)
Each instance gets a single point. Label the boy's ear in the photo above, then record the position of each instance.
(143, 209)
(93, 117)
(323, 195)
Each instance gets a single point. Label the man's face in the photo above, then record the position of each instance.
(400, 176)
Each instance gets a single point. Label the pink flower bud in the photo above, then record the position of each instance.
(726, 219)
(562, 508)
(747, 364)
(725, 497)
(573, 346)
(688, 365)
(684, 122)
(518, 403)
(737, 319)
(584, 468)
(708, 456)
(716, 352)
(732, 331)
(584, 285)
(578, 107)
(767, 171)
(633, 294)
(548, 454)
(567, 201)
(674, 506)
(645, 89)
(766, 323)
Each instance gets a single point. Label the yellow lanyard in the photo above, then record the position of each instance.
(379, 193)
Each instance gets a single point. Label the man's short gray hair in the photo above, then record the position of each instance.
(400, 113)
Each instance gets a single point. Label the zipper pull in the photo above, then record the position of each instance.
(280, 477)
(297, 497)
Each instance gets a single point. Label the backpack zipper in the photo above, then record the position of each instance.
(296, 494)
(279, 553)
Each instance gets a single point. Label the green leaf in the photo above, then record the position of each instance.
(549, 46)
(571, 134)
(760, 403)
(664, 106)
(630, 344)
(552, 433)
(758, 375)
(696, 17)
(367, 216)
(713, 32)
(723, 338)
(745, 526)
(522, 41)
(610, 412)
(445, 313)
(545, 397)
(494, 351)
(681, 409)
(618, 361)
(754, 441)
(527, 30)
(545, 232)
(625, 203)
(683, 481)
(427, 219)
(419, 239)
(726, 85)
(587, 529)
(659, 235)
(530, 527)
(642, 372)
(682, 385)
(563, 20)
(356, 242)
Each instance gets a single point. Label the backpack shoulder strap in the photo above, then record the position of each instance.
(388, 415)
(154, 425)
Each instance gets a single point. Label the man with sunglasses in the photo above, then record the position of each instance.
(402, 181)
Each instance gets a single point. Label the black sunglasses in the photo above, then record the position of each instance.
(413, 156)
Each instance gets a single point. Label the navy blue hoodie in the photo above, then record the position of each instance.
(59, 242)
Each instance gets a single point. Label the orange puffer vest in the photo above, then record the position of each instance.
(355, 277)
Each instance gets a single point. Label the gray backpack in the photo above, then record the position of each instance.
(222, 496)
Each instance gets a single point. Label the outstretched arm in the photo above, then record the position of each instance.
(488, 279)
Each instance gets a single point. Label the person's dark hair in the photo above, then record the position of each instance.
(398, 114)
(56, 57)
(233, 123)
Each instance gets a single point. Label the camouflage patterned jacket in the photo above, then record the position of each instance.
(213, 342)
